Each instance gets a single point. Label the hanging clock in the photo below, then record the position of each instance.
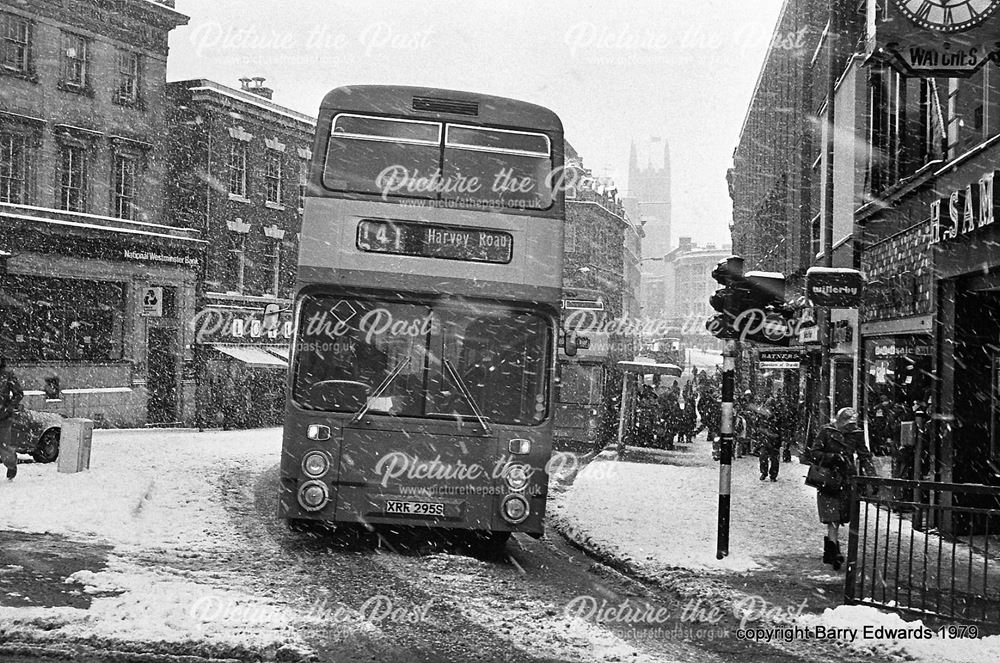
(948, 15)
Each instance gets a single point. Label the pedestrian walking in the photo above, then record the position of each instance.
(769, 439)
(834, 450)
(10, 399)
(710, 409)
(689, 418)
(645, 416)
(668, 419)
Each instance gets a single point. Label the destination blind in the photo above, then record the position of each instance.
(435, 241)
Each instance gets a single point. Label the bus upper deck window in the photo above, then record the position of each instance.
(490, 140)
(384, 156)
(361, 127)
(512, 168)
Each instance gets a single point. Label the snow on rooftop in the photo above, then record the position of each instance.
(830, 270)
(253, 100)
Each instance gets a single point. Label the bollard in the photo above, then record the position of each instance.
(74, 445)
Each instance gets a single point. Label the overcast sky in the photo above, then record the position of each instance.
(679, 70)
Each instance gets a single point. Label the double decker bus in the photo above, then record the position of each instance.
(430, 272)
(581, 378)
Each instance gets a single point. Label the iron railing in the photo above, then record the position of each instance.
(925, 547)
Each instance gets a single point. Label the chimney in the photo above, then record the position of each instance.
(255, 85)
(684, 244)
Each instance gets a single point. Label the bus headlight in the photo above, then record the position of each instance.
(318, 432)
(315, 464)
(519, 446)
(313, 495)
(514, 509)
(516, 477)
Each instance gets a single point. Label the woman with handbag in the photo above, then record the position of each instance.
(831, 455)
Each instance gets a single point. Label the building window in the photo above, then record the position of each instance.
(128, 77)
(75, 60)
(815, 235)
(15, 163)
(236, 262)
(272, 177)
(238, 169)
(570, 238)
(303, 183)
(72, 178)
(274, 262)
(16, 48)
(125, 186)
(49, 319)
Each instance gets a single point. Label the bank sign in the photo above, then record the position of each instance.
(965, 211)
(934, 38)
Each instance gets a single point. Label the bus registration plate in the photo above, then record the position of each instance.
(414, 508)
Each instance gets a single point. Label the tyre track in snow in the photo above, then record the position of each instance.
(480, 609)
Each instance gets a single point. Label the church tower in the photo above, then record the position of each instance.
(648, 197)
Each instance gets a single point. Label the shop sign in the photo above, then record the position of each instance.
(809, 334)
(152, 302)
(843, 332)
(966, 211)
(217, 325)
(834, 287)
(780, 359)
(934, 38)
(890, 348)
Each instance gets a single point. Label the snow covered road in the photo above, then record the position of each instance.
(177, 550)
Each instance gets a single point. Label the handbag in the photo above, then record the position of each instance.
(825, 479)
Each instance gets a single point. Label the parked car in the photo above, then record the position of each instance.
(37, 434)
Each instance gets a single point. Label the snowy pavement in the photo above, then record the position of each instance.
(151, 501)
(658, 521)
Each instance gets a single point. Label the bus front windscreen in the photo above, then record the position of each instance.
(422, 359)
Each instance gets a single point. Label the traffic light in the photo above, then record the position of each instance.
(751, 306)
(728, 300)
(766, 316)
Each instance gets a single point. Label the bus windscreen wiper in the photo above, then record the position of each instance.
(468, 395)
(380, 389)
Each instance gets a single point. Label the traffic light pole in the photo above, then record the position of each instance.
(726, 446)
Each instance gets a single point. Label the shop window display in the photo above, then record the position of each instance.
(898, 383)
(49, 319)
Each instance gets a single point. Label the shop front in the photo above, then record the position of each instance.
(964, 235)
(90, 315)
(242, 359)
(898, 387)
(931, 324)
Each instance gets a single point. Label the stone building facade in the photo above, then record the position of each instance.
(238, 171)
(99, 279)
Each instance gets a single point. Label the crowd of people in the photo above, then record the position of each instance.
(763, 425)
(666, 415)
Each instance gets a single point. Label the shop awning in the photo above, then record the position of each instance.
(280, 351)
(254, 357)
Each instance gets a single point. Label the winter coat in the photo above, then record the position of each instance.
(10, 394)
(837, 450)
(769, 429)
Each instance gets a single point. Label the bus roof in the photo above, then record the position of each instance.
(650, 368)
(439, 104)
